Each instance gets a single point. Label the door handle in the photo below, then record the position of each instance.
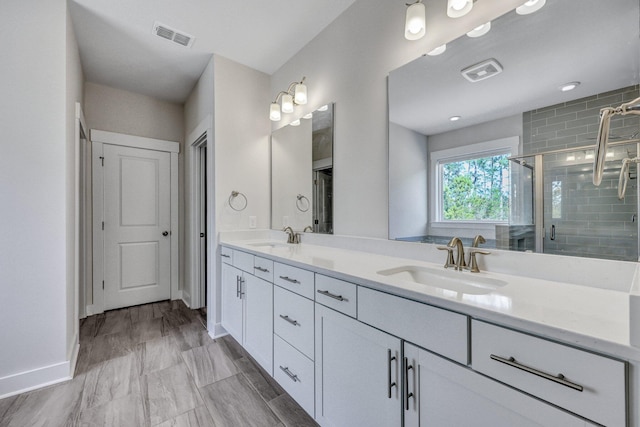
(407, 395)
(165, 233)
(390, 384)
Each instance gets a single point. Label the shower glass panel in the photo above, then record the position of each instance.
(519, 233)
(581, 219)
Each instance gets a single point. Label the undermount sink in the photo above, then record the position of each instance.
(457, 281)
(269, 245)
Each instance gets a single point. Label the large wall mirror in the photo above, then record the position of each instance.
(490, 138)
(302, 173)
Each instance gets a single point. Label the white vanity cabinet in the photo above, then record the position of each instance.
(438, 392)
(247, 308)
(357, 373)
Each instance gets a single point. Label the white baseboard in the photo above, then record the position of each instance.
(35, 378)
(218, 331)
(73, 359)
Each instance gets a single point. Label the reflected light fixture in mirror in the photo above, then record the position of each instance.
(480, 30)
(530, 6)
(458, 8)
(415, 24)
(437, 51)
(296, 94)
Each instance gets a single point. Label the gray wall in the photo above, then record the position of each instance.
(593, 222)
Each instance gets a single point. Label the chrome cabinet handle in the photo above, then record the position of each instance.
(407, 395)
(330, 295)
(237, 286)
(225, 256)
(264, 270)
(288, 319)
(293, 377)
(289, 279)
(241, 283)
(559, 379)
(390, 384)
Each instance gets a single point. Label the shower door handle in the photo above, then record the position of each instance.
(553, 232)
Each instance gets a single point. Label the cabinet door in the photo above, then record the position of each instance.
(448, 394)
(258, 330)
(357, 373)
(232, 301)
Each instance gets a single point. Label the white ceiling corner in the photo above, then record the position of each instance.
(118, 49)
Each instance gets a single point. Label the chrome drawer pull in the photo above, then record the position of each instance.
(555, 378)
(407, 394)
(225, 255)
(293, 322)
(330, 295)
(264, 270)
(289, 279)
(293, 377)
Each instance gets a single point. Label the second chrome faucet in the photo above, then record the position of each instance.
(460, 262)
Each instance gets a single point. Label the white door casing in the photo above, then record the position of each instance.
(133, 262)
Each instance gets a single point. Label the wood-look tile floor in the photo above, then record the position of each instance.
(155, 365)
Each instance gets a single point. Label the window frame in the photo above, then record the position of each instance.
(438, 158)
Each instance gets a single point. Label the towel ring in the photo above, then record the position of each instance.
(299, 202)
(235, 194)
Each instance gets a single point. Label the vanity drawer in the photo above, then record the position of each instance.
(263, 268)
(592, 386)
(336, 294)
(437, 330)
(293, 320)
(243, 261)
(226, 254)
(295, 279)
(295, 373)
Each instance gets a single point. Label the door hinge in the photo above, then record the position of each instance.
(103, 285)
(102, 160)
(103, 225)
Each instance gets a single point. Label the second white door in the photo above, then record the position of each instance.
(137, 234)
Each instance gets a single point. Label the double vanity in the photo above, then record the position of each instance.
(358, 338)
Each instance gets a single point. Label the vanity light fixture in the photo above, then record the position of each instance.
(458, 8)
(480, 30)
(530, 6)
(415, 23)
(296, 94)
(569, 86)
(437, 51)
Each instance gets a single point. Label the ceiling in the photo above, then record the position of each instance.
(594, 42)
(118, 49)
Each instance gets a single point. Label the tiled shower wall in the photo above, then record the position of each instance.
(589, 221)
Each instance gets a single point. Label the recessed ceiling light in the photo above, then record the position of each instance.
(455, 118)
(307, 116)
(438, 50)
(569, 86)
(480, 30)
(530, 6)
(323, 108)
(295, 123)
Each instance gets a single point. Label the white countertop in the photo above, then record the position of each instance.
(592, 318)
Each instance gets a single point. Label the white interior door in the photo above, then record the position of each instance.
(137, 234)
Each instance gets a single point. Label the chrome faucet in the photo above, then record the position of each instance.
(457, 244)
(308, 228)
(291, 235)
(473, 263)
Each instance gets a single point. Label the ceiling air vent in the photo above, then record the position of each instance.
(176, 36)
(482, 70)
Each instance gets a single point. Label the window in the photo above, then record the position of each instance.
(472, 183)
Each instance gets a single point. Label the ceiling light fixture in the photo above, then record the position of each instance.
(308, 116)
(323, 108)
(569, 86)
(437, 51)
(415, 23)
(480, 30)
(454, 118)
(458, 8)
(530, 6)
(296, 94)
